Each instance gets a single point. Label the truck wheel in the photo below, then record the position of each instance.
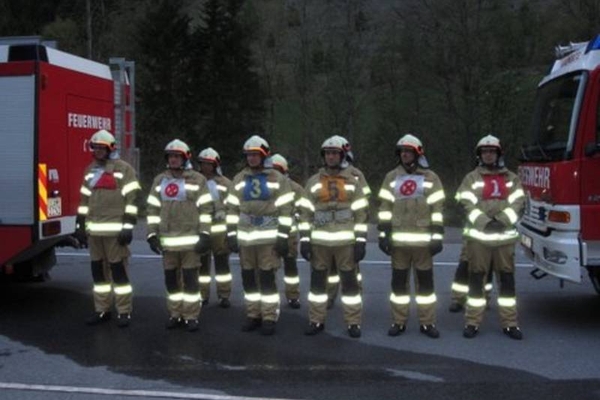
(594, 273)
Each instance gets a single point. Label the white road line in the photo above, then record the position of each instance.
(132, 393)
(370, 262)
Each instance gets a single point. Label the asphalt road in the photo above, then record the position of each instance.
(46, 351)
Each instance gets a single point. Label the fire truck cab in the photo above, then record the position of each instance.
(51, 102)
(560, 169)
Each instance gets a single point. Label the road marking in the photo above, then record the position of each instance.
(414, 375)
(234, 258)
(132, 393)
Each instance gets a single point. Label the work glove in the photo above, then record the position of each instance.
(125, 237)
(384, 244)
(494, 226)
(305, 250)
(281, 246)
(80, 233)
(232, 243)
(360, 250)
(435, 247)
(154, 243)
(203, 245)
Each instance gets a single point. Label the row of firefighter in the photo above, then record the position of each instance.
(194, 217)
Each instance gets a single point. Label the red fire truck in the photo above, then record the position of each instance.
(51, 102)
(560, 169)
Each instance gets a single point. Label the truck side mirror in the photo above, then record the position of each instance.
(591, 148)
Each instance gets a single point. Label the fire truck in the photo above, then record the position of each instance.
(560, 169)
(51, 102)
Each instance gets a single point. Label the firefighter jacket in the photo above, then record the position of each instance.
(335, 210)
(298, 199)
(259, 208)
(411, 207)
(179, 209)
(219, 188)
(108, 197)
(491, 195)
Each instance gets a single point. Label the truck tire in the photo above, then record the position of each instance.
(594, 273)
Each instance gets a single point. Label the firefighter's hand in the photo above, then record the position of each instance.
(360, 250)
(494, 226)
(125, 237)
(384, 244)
(154, 243)
(203, 245)
(305, 250)
(435, 247)
(81, 237)
(281, 246)
(232, 243)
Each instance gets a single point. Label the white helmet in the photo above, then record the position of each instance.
(104, 138)
(178, 147)
(489, 141)
(336, 143)
(347, 148)
(279, 161)
(257, 144)
(411, 142)
(209, 155)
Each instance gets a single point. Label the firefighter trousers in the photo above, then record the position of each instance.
(259, 266)
(181, 281)
(322, 259)
(110, 274)
(291, 278)
(481, 258)
(419, 260)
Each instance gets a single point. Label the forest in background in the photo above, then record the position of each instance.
(213, 72)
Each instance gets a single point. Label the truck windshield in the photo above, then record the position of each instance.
(555, 119)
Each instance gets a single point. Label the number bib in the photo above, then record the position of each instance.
(214, 191)
(172, 189)
(103, 180)
(333, 190)
(409, 186)
(494, 187)
(256, 188)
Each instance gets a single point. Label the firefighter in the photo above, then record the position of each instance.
(493, 198)
(259, 218)
(219, 187)
(333, 278)
(179, 218)
(106, 216)
(290, 268)
(333, 229)
(411, 231)
(460, 284)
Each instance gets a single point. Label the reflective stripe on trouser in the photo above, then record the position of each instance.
(260, 302)
(104, 252)
(223, 278)
(481, 258)
(419, 260)
(460, 285)
(333, 281)
(343, 256)
(181, 281)
(291, 278)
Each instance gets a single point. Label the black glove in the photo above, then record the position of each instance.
(281, 246)
(435, 247)
(203, 245)
(232, 243)
(494, 226)
(360, 250)
(155, 244)
(125, 237)
(80, 233)
(305, 250)
(384, 244)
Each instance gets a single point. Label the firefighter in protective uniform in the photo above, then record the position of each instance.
(219, 187)
(290, 267)
(333, 278)
(259, 218)
(333, 229)
(493, 198)
(179, 218)
(106, 216)
(411, 231)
